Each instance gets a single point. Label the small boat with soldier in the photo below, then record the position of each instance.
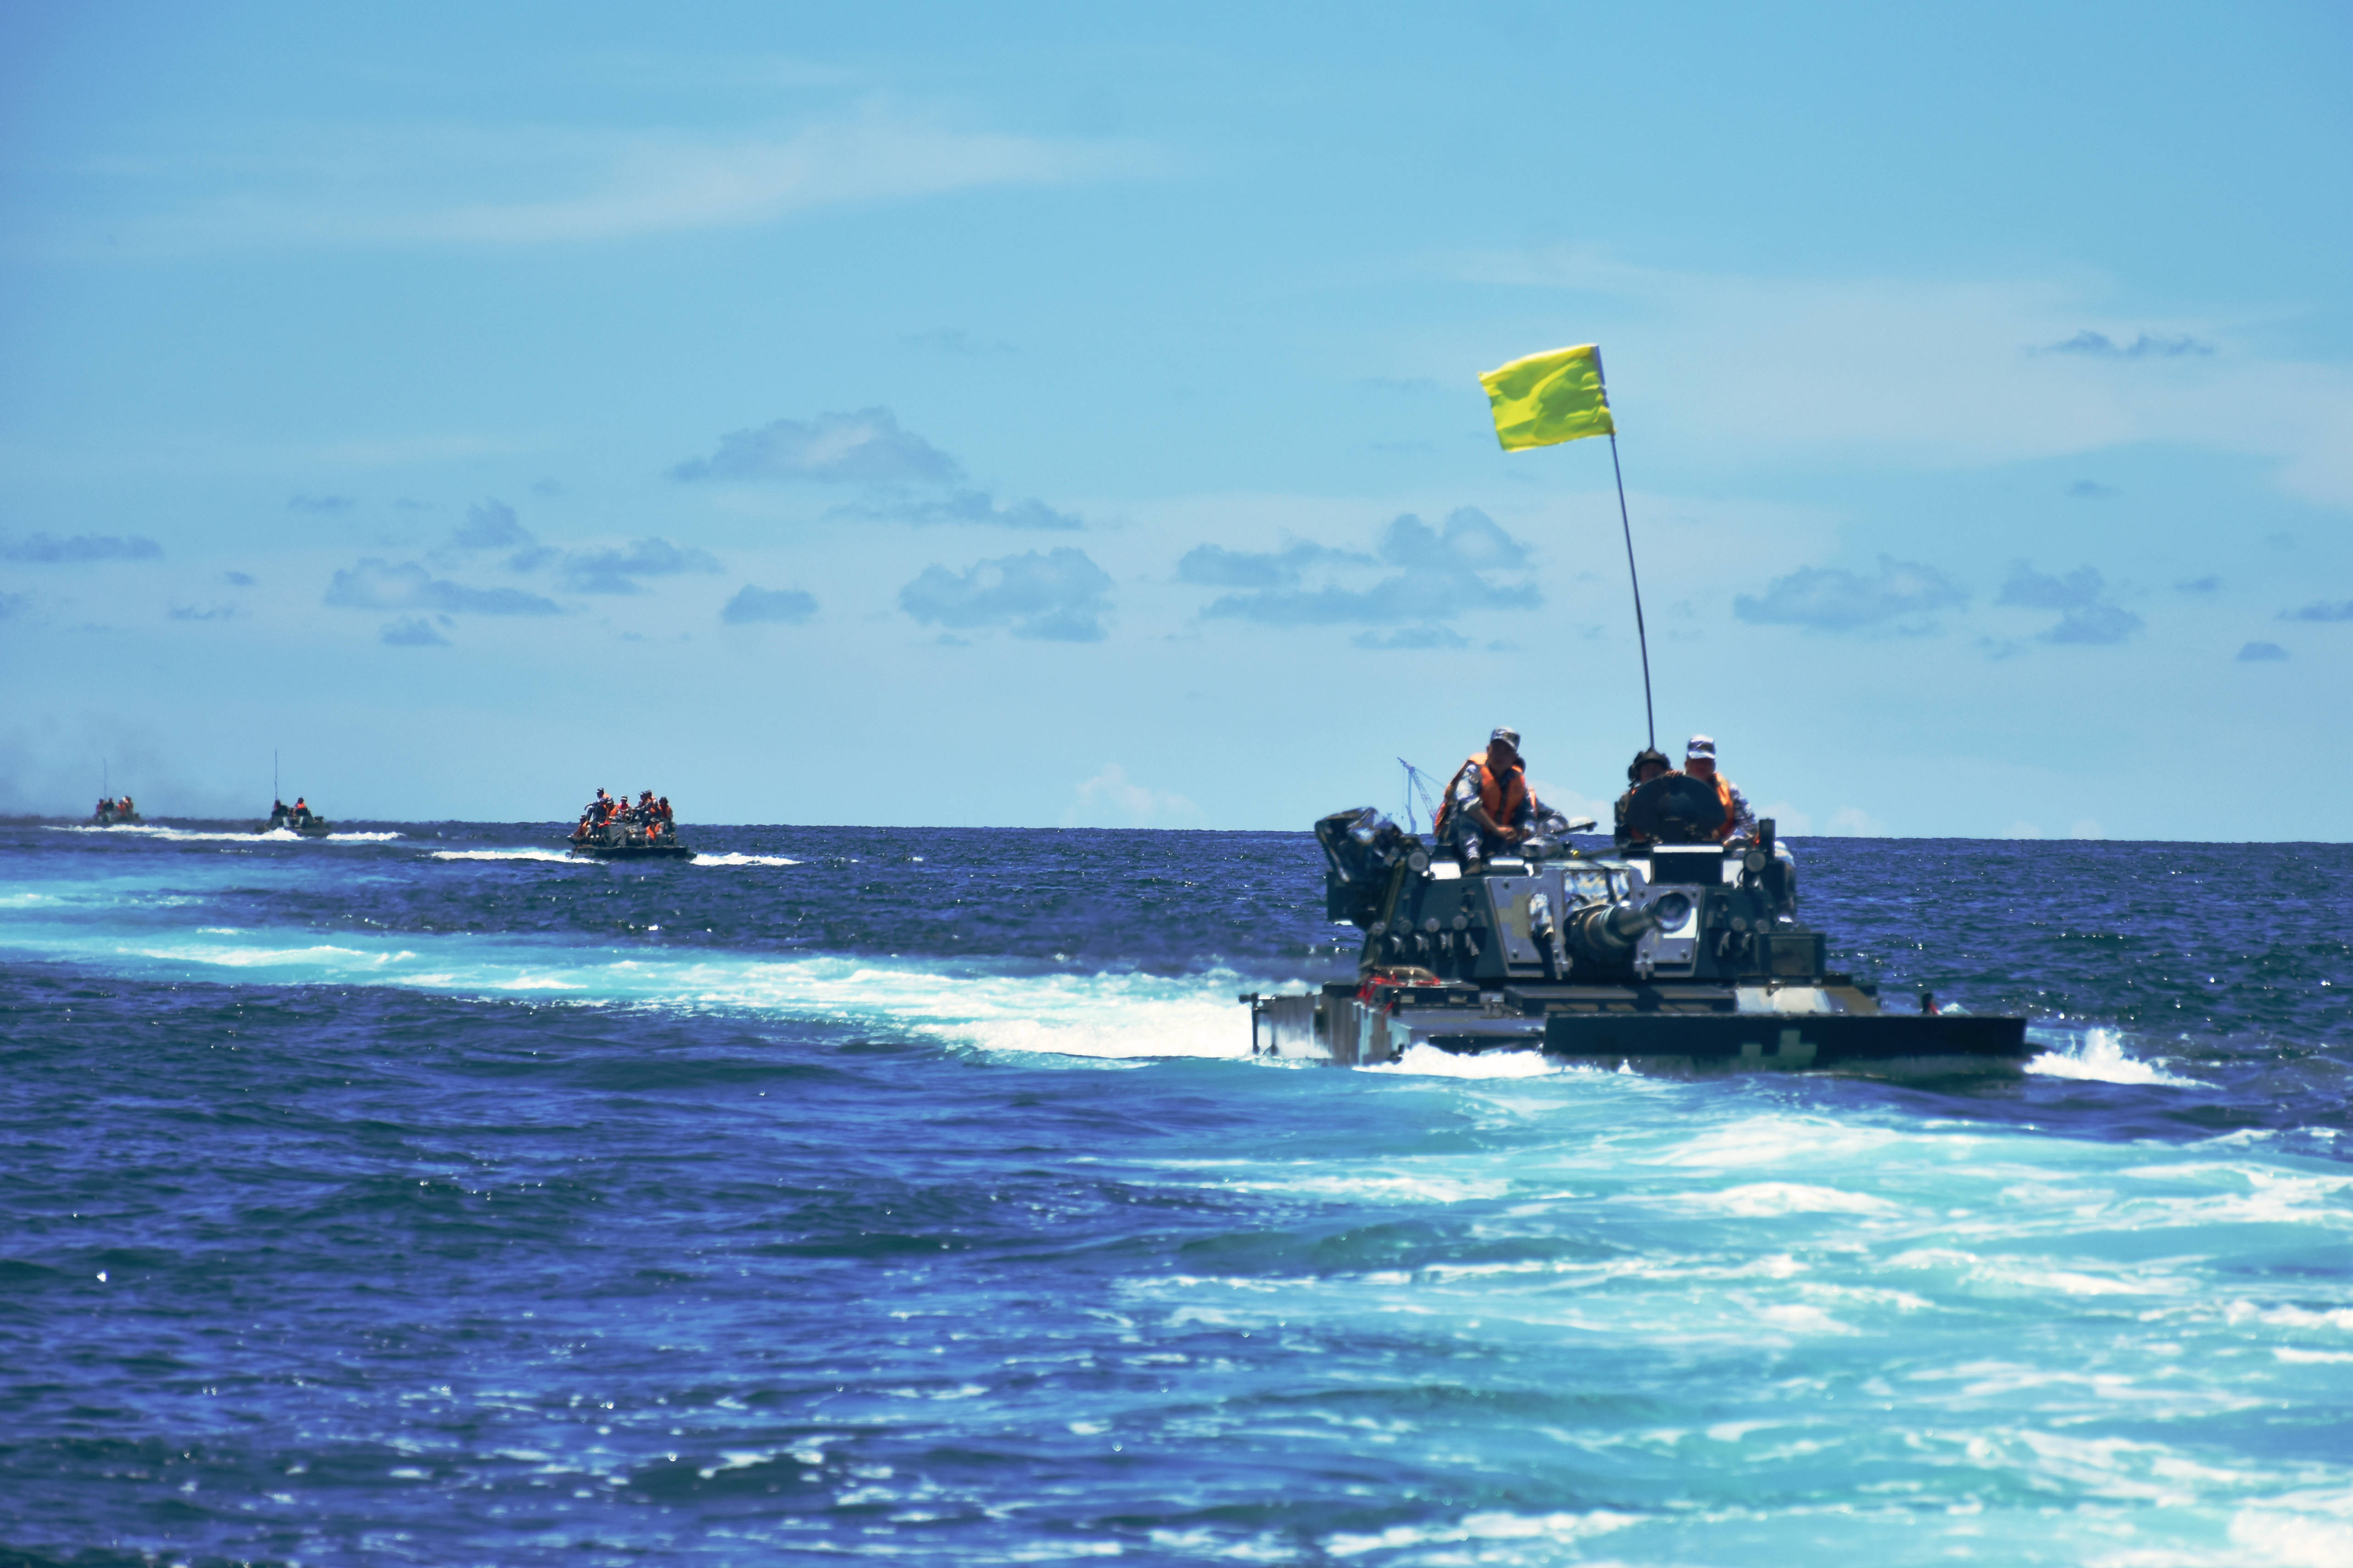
(120, 813)
(298, 819)
(612, 830)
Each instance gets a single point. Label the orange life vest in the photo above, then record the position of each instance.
(1723, 796)
(1502, 800)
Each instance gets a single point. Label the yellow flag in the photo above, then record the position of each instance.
(1549, 398)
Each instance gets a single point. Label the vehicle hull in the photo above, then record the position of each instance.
(632, 852)
(1671, 1029)
(1904, 1044)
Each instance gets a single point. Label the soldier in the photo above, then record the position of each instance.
(1488, 806)
(1649, 764)
(1699, 762)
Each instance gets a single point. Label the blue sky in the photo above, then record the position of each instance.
(1052, 415)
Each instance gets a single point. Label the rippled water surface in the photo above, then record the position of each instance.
(417, 1195)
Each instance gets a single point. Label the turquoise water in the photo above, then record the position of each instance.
(424, 1197)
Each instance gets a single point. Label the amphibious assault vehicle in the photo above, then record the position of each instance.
(1677, 953)
(619, 841)
(291, 819)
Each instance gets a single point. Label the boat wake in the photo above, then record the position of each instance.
(1428, 1061)
(556, 856)
(213, 835)
(1012, 1009)
(734, 859)
(2099, 1057)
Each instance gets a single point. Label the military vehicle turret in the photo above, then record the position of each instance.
(1676, 953)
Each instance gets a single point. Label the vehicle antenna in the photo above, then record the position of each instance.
(1544, 399)
(274, 772)
(1650, 716)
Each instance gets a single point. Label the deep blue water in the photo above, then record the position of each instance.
(911, 1195)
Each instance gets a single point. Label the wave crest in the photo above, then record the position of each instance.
(2100, 1057)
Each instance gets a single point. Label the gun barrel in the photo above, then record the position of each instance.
(1612, 930)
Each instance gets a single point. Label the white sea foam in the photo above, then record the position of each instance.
(1428, 1061)
(1114, 1016)
(1796, 1142)
(1759, 1200)
(1379, 1184)
(2100, 1059)
(320, 955)
(248, 835)
(556, 856)
(728, 860)
(2292, 1537)
(1557, 1529)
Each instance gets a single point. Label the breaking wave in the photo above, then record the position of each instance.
(2099, 1057)
(1428, 1061)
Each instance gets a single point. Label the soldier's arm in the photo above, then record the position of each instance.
(1467, 802)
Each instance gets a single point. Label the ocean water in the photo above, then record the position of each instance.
(417, 1196)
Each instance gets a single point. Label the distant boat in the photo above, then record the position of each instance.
(296, 818)
(618, 837)
(115, 813)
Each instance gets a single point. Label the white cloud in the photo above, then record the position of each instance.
(1853, 822)
(375, 583)
(1832, 599)
(1442, 574)
(1944, 372)
(1568, 801)
(365, 186)
(1058, 596)
(866, 448)
(752, 605)
(1788, 822)
(2087, 828)
(1110, 799)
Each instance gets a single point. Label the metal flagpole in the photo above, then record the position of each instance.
(1650, 716)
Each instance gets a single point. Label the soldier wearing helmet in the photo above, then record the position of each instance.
(1648, 763)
